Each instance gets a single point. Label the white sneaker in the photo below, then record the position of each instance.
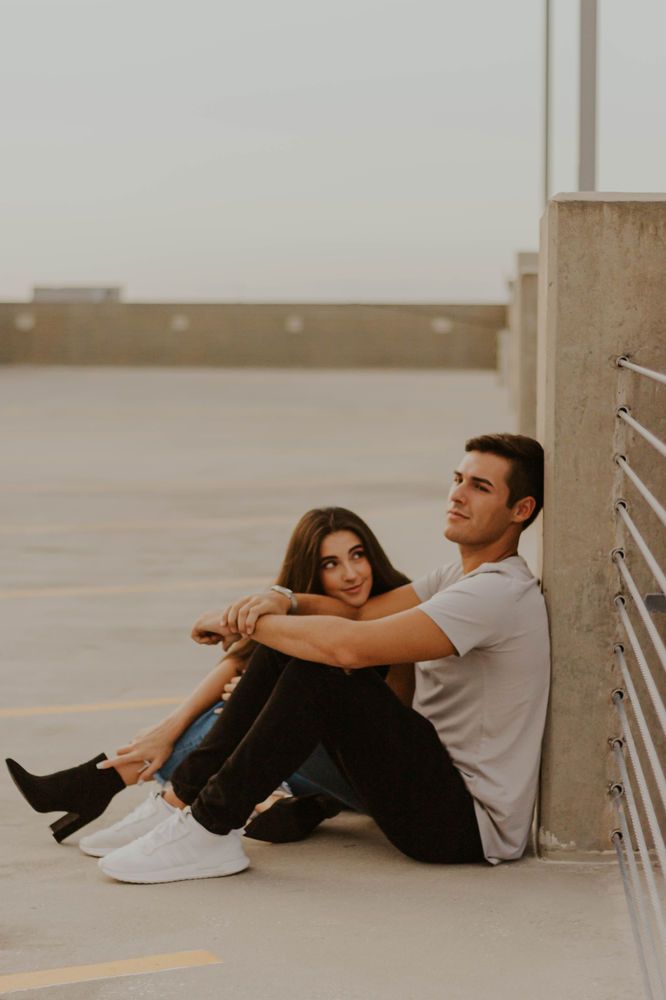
(177, 849)
(149, 814)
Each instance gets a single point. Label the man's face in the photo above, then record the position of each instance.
(476, 513)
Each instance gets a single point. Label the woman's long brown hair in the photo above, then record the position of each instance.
(300, 570)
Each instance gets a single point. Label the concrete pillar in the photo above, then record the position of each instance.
(504, 357)
(525, 316)
(511, 373)
(602, 294)
(522, 321)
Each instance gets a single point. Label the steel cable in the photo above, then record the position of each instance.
(655, 568)
(648, 870)
(618, 559)
(650, 749)
(623, 413)
(642, 663)
(648, 805)
(644, 921)
(624, 362)
(618, 841)
(649, 497)
(643, 929)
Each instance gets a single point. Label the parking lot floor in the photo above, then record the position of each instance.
(133, 500)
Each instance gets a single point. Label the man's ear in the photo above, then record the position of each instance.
(524, 509)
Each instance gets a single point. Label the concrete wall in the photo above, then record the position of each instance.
(602, 294)
(321, 336)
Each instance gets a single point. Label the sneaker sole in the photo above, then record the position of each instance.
(230, 868)
(101, 852)
(96, 852)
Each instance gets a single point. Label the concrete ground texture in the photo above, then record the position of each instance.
(135, 499)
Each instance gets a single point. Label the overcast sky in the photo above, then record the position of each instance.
(356, 150)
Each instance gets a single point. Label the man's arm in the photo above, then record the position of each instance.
(400, 638)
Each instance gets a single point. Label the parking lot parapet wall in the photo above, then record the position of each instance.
(289, 335)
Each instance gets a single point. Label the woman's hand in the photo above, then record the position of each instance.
(152, 747)
(230, 687)
(241, 616)
(209, 630)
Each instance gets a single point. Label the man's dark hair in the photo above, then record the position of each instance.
(525, 478)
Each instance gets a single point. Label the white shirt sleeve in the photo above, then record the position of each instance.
(475, 612)
(430, 584)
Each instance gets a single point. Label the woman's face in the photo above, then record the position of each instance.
(344, 569)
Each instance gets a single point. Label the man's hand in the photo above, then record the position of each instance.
(241, 616)
(209, 630)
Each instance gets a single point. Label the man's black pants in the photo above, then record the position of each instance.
(283, 707)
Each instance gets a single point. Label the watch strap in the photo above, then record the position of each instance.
(286, 592)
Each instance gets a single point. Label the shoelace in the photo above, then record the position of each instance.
(166, 830)
(141, 811)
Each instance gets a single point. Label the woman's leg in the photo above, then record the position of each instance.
(82, 792)
(319, 774)
(188, 742)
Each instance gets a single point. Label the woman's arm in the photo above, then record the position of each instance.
(155, 744)
(401, 680)
(381, 606)
(205, 694)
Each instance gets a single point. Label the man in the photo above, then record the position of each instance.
(452, 779)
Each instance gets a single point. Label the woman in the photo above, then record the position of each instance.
(331, 551)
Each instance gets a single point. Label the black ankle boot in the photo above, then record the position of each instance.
(292, 819)
(82, 792)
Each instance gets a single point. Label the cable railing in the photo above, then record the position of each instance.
(649, 497)
(633, 841)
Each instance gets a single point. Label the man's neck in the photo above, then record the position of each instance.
(472, 557)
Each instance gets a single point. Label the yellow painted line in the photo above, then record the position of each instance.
(18, 981)
(95, 706)
(161, 587)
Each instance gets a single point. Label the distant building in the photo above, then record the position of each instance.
(71, 293)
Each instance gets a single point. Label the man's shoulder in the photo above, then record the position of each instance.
(495, 588)
(488, 606)
(512, 572)
(510, 579)
(437, 580)
(449, 573)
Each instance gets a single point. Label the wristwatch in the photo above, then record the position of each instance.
(286, 592)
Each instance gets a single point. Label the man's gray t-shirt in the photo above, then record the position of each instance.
(488, 704)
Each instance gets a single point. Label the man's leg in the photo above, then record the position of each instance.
(391, 755)
(240, 713)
